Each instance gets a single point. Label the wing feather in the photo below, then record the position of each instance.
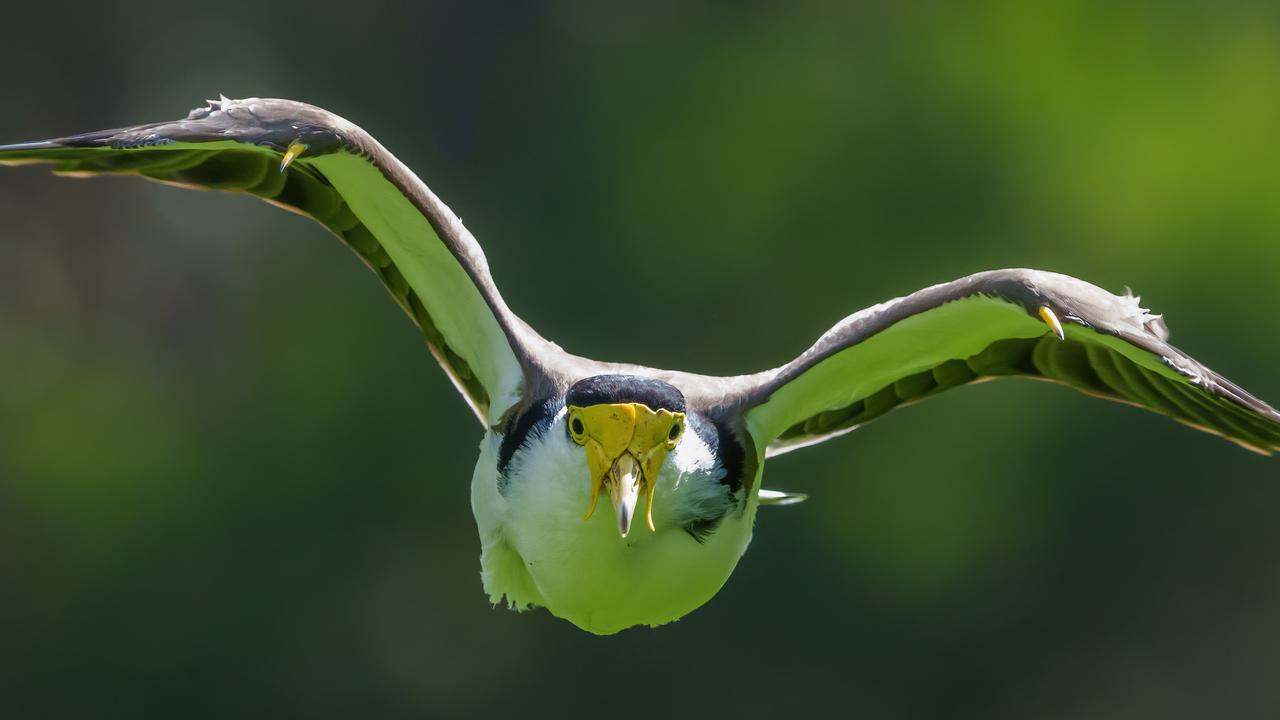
(348, 182)
(986, 326)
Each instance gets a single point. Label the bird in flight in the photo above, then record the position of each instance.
(617, 495)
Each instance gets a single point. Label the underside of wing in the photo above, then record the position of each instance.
(312, 162)
(1003, 323)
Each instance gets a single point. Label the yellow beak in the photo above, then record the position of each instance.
(626, 444)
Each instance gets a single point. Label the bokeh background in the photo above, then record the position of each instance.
(233, 482)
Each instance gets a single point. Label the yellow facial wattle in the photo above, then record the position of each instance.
(626, 444)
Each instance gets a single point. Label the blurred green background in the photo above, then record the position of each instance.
(233, 482)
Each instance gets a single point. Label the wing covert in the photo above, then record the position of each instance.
(312, 162)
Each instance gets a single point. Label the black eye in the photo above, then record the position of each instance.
(675, 432)
(576, 426)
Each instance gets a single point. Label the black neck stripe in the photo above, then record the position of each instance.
(534, 420)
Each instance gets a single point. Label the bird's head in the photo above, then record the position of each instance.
(626, 425)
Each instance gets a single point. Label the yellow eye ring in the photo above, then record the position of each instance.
(577, 429)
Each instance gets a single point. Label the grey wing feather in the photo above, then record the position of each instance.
(237, 145)
(1113, 349)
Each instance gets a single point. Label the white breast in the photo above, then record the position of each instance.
(536, 550)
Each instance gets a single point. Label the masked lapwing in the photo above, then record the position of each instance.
(617, 495)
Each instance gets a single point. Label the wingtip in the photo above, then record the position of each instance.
(28, 153)
(37, 145)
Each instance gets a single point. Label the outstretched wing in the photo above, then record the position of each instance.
(307, 160)
(992, 324)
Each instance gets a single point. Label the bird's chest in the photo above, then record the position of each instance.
(583, 570)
